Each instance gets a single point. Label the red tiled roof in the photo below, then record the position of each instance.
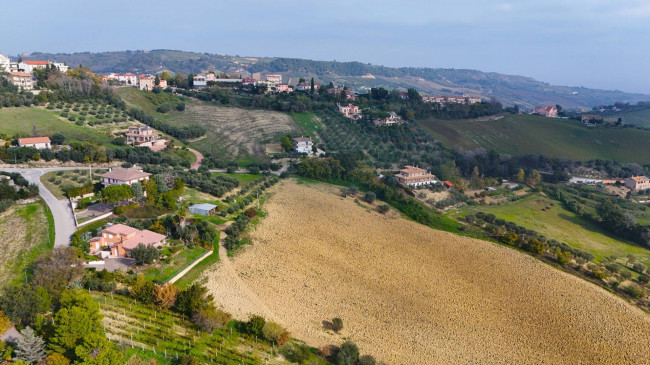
(121, 229)
(20, 74)
(34, 140)
(145, 237)
(132, 173)
(36, 62)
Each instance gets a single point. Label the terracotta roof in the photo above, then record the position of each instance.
(128, 74)
(640, 178)
(120, 229)
(145, 237)
(132, 173)
(34, 140)
(36, 62)
(21, 74)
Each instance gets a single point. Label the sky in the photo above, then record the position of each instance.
(592, 43)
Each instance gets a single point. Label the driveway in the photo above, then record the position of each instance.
(64, 225)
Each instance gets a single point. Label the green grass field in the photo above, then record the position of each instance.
(308, 122)
(529, 134)
(176, 263)
(244, 179)
(202, 266)
(557, 223)
(21, 121)
(640, 118)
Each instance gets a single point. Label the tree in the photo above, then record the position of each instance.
(255, 325)
(5, 322)
(312, 85)
(475, 179)
(275, 333)
(533, 178)
(209, 319)
(143, 290)
(138, 192)
(116, 193)
(145, 254)
(337, 324)
(286, 144)
(166, 295)
(193, 299)
(30, 348)
(367, 360)
(348, 354)
(57, 138)
(370, 197)
(563, 257)
(520, 176)
(56, 359)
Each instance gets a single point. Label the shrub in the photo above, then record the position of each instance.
(643, 279)
(273, 332)
(187, 360)
(563, 257)
(337, 324)
(613, 267)
(209, 319)
(635, 291)
(383, 209)
(370, 197)
(255, 325)
(348, 354)
(145, 254)
(639, 267)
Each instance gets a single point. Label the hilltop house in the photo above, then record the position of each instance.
(303, 144)
(4, 63)
(35, 142)
(638, 183)
(199, 81)
(124, 176)
(350, 111)
(146, 82)
(591, 118)
(163, 83)
(21, 79)
(277, 78)
(30, 66)
(306, 86)
(283, 88)
(392, 119)
(120, 239)
(546, 111)
(140, 134)
(414, 176)
(128, 79)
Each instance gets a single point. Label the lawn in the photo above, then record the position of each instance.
(529, 134)
(557, 223)
(244, 179)
(189, 277)
(22, 120)
(25, 232)
(165, 270)
(309, 123)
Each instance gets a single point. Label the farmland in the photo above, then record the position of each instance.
(528, 134)
(410, 294)
(23, 235)
(640, 118)
(550, 219)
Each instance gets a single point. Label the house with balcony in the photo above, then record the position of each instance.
(22, 80)
(350, 111)
(199, 81)
(139, 135)
(413, 176)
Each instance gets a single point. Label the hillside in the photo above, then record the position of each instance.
(508, 89)
(640, 118)
(412, 295)
(529, 134)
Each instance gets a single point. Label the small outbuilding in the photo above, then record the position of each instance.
(203, 209)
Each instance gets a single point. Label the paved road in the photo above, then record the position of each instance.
(63, 217)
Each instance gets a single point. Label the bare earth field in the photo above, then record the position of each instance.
(412, 295)
(238, 132)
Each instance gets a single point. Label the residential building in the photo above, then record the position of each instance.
(30, 66)
(124, 176)
(200, 81)
(350, 111)
(36, 142)
(163, 83)
(274, 78)
(118, 240)
(306, 86)
(590, 118)
(128, 79)
(63, 68)
(448, 184)
(23, 80)
(4, 63)
(210, 76)
(443, 100)
(248, 81)
(302, 144)
(203, 209)
(138, 134)
(146, 82)
(546, 111)
(283, 88)
(637, 183)
(413, 176)
(392, 119)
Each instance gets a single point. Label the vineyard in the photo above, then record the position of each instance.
(166, 336)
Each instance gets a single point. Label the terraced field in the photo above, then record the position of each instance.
(413, 295)
(236, 132)
(529, 134)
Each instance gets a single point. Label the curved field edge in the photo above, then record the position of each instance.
(410, 294)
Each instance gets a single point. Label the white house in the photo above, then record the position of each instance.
(302, 144)
(36, 142)
(392, 119)
(63, 68)
(128, 79)
(146, 82)
(4, 63)
(277, 78)
(30, 66)
(21, 79)
(124, 176)
(200, 81)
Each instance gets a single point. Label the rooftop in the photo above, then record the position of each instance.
(204, 206)
(34, 140)
(302, 139)
(36, 62)
(21, 74)
(145, 237)
(131, 173)
(640, 178)
(120, 229)
(408, 169)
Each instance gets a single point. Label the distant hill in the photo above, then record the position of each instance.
(529, 134)
(523, 91)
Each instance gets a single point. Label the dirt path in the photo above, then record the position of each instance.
(412, 295)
